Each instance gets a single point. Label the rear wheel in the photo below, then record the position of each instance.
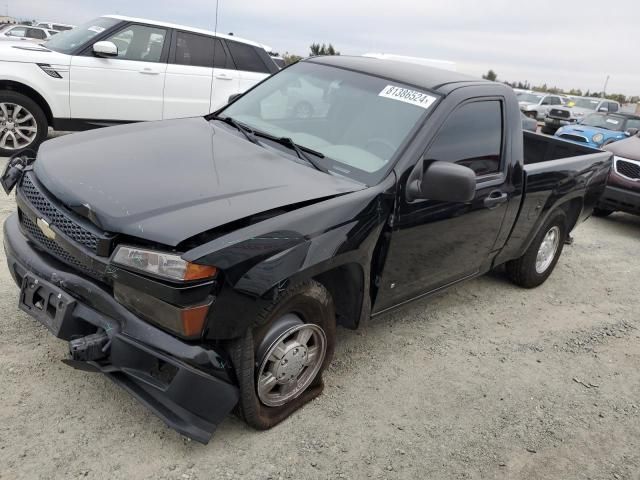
(548, 131)
(279, 365)
(23, 124)
(537, 263)
(602, 212)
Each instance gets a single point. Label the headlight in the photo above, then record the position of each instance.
(161, 264)
(597, 138)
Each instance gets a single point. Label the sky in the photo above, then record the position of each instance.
(568, 44)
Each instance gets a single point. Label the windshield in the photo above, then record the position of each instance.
(586, 103)
(529, 97)
(68, 41)
(356, 122)
(601, 120)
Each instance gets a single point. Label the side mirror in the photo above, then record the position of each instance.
(441, 181)
(603, 109)
(233, 97)
(105, 49)
(630, 132)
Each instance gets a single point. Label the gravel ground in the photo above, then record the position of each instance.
(484, 381)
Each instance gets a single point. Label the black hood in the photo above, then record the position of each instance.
(167, 181)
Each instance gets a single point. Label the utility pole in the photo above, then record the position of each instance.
(604, 90)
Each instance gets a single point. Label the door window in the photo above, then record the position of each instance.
(246, 57)
(471, 136)
(36, 33)
(197, 50)
(17, 32)
(139, 43)
(613, 107)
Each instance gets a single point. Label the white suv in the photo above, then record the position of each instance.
(116, 70)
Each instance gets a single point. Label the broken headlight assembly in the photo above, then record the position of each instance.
(168, 266)
(188, 321)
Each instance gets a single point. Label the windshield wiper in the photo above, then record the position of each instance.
(247, 132)
(301, 151)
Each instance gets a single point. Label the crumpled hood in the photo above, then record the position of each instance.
(167, 181)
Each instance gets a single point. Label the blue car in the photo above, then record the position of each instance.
(599, 129)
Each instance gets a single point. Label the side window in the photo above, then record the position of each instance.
(192, 49)
(140, 43)
(613, 107)
(246, 58)
(632, 123)
(555, 101)
(546, 101)
(36, 33)
(471, 136)
(17, 32)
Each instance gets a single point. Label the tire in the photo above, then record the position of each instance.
(308, 302)
(525, 271)
(548, 131)
(11, 142)
(602, 212)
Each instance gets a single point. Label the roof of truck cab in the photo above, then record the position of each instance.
(185, 28)
(422, 76)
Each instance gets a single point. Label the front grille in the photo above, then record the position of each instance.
(628, 169)
(34, 232)
(573, 138)
(559, 113)
(57, 217)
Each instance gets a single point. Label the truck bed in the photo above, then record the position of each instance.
(556, 173)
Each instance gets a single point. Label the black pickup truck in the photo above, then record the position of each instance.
(203, 264)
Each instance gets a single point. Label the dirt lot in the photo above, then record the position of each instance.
(485, 381)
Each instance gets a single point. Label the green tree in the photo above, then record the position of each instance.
(290, 58)
(316, 50)
(490, 75)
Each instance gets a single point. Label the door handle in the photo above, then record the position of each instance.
(148, 71)
(223, 76)
(495, 198)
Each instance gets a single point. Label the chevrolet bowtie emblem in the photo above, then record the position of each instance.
(44, 227)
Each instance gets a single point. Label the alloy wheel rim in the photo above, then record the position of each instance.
(548, 249)
(18, 127)
(291, 363)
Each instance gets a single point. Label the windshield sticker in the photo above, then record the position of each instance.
(96, 29)
(615, 122)
(408, 96)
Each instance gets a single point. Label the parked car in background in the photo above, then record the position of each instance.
(60, 27)
(535, 105)
(528, 123)
(623, 185)
(116, 70)
(25, 32)
(204, 263)
(576, 110)
(600, 129)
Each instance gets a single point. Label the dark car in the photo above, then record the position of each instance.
(623, 186)
(204, 263)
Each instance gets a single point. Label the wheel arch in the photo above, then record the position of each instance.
(30, 92)
(345, 284)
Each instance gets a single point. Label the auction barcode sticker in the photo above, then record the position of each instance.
(408, 96)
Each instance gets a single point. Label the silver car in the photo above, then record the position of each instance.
(25, 32)
(536, 105)
(575, 111)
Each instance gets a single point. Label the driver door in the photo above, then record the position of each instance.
(128, 87)
(435, 244)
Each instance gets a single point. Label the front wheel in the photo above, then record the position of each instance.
(279, 365)
(23, 124)
(537, 263)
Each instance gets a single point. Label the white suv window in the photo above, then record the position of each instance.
(139, 43)
(17, 32)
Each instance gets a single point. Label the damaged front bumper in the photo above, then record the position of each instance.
(186, 385)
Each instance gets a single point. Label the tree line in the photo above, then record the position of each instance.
(619, 97)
